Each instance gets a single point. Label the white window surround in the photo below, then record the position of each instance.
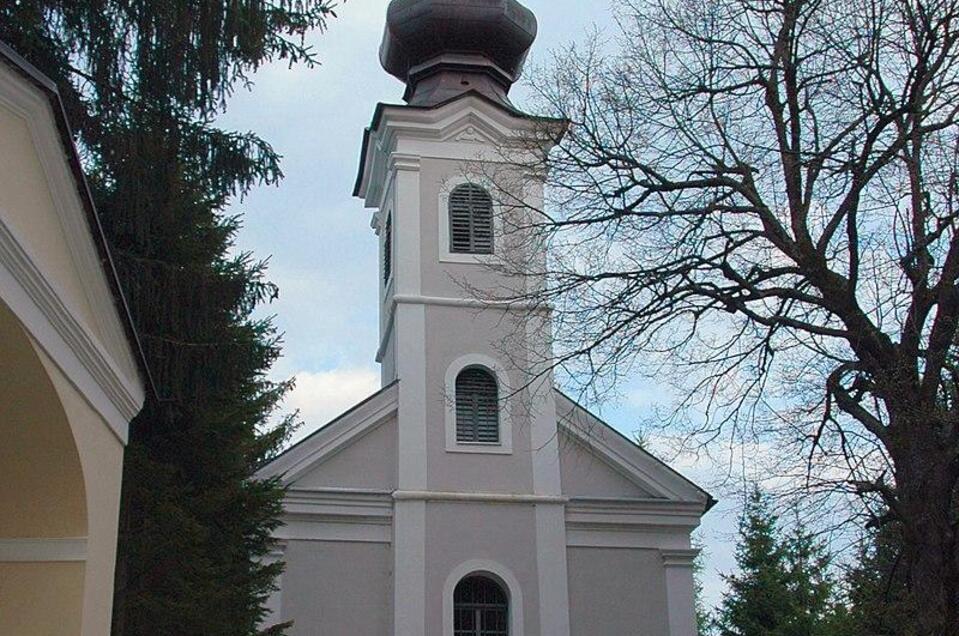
(505, 445)
(446, 256)
(499, 573)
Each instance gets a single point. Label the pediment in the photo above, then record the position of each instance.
(600, 462)
(360, 438)
(61, 284)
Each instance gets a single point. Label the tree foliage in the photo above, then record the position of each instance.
(757, 201)
(783, 587)
(878, 598)
(143, 82)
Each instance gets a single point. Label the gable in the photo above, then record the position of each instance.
(607, 460)
(55, 267)
(586, 473)
(357, 449)
(369, 462)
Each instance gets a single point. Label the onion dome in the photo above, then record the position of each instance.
(444, 48)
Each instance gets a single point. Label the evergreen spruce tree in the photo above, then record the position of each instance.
(878, 597)
(811, 586)
(784, 587)
(143, 81)
(758, 601)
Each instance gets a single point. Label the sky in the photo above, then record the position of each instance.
(318, 238)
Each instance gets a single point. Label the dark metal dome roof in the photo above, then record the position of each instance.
(443, 47)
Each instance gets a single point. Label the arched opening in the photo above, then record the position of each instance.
(477, 407)
(43, 515)
(480, 607)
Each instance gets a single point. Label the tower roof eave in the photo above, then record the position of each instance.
(359, 189)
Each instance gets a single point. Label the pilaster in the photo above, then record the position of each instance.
(409, 325)
(680, 591)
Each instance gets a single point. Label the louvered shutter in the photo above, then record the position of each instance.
(471, 220)
(477, 407)
(388, 250)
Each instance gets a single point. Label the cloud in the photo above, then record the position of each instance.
(321, 396)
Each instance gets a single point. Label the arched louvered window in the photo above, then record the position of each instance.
(388, 249)
(477, 407)
(480, 608)
(471, 220)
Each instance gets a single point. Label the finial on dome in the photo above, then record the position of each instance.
(444, 48)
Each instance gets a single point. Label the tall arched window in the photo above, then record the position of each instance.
(480, 608)
(388, 249)
(477, 407)
(471, 220)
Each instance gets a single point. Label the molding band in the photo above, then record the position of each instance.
(65, 550)
(477, 497)
(679, 558)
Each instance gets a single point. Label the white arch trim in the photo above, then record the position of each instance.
(496, 571)
(505, 445)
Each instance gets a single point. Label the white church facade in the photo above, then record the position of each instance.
(469, 497)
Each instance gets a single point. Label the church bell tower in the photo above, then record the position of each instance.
(478, 460)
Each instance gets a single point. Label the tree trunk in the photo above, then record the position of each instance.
(925, 486)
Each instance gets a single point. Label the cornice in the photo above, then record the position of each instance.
(341, 504)
(632, 514)
(679, 558)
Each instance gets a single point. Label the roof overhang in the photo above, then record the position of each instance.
(100, 251)
(496, 123)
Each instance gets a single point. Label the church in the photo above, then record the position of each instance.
(469, 496)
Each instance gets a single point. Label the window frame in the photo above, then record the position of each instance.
(505, 444)
(479, 609)
(475, 426)
(496, 571)
(388, 251)
(475, 194)
(445, 254)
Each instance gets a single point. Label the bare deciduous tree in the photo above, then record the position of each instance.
(761, 197)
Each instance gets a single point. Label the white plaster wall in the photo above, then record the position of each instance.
(617, 591)
(442, 278)
(338, 588)
(584, 474)
(451, 333)
(368, 463)
(500, 533)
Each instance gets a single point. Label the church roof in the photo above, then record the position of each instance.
(439, 47)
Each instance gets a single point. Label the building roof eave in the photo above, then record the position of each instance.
(358, 188)
(32, 74)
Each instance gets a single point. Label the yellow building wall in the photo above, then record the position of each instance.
(60, 460)
(41, 599)
(24, 186)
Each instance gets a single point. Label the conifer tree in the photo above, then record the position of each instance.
(143, 82)
(811, 586)
(758, 601)
(784, 587)
(878, 597)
